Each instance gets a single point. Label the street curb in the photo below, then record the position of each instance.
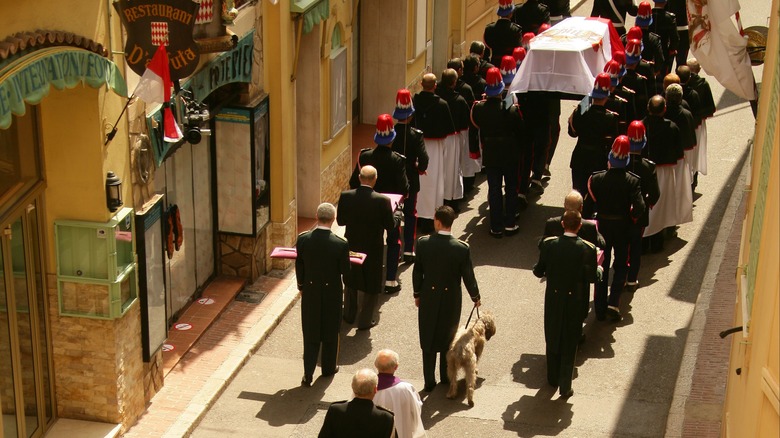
(682, 388)
(189, 419)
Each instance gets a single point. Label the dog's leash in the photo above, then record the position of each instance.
(472, 314)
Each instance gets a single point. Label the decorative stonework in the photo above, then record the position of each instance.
(98, 366)
(282, 234)
(243, 256)
(335, 178)
(153, 376)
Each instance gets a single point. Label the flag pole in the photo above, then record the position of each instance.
(110, 135)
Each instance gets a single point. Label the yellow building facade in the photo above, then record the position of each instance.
(90, 289)
(752, 406)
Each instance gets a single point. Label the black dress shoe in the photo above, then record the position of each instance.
(373, 324)
(567, 394)
(393, 289)
(306, 381)
(330, 373)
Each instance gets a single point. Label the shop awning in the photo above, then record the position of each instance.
(314, 12)
(29, 78)
(228, 67)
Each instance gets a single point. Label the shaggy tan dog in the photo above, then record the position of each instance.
(465, 352)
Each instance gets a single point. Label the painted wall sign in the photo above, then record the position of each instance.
(29, 78)
(227, 68)
(150, 23)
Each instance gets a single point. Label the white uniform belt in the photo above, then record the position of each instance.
(682, 27)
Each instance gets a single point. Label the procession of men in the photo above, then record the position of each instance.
(640, 146)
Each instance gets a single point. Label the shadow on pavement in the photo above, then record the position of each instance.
(656, 376)
(530, 370)
(538, 415)
(436, 407)
(355, 347)
(289, 406)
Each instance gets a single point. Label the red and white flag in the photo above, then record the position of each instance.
(155, 89)
(718, 46)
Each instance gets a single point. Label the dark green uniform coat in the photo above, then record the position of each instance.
(569, 263)
(442, 261)
(322, 263)
(366, 215)
(357, 418)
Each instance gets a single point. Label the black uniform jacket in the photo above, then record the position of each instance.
(500, 131)
(648, 184)
(637, 108)
(588, 232)
(322, 263)
(680, 11)
(502, 36)
(432, 115)
(530, 15)
(569, 263)
(701, 86)
(691, 96)
(459, 108)
(602, 8)
(665, 25)
(464, 89)
(366, 215)
(617, 196)
(409, 143)
(390, 170)
(358, 418)
(442, 261)
(684, 120)
(595, 130)
(664, 145)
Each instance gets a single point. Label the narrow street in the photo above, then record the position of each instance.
(625, 373)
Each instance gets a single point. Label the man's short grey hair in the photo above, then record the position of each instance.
(326, 213)
(694, 65)
(367, 173)
(386, 361)
(674, 94)
(364, 382)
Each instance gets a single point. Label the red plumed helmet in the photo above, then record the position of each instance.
(543, 27)
(495, 82)
(635, 33)
(636, 135)
(518, 54)
(527, 37)
(601, 86)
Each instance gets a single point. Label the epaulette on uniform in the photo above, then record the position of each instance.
(641, 76)
(628, 90)
(634, 174)
(402, 156)
(425, 237)
(340, 237)
(549, 238)
(340, 402)
(588, 243)
(417, 131)
(613, 113)
(463, 243)
(620, 99)
(304, 232)
(382, 408)
(366, 150)
(671, 15)
(598, 172)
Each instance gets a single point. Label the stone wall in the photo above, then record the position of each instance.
(153, 376)
(335, 178)
(243, 256)
(98, 364)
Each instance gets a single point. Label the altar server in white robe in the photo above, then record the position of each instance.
(432, 117)
(398, 396)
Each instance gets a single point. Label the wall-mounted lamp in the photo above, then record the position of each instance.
(113, 192)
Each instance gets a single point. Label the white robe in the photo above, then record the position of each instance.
(468, 166)
(701, 148)
(431, 195)
(453, 178)
(675, 205)
(405, 403)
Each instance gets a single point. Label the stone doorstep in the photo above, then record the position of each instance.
(68, 428)
(222, 290)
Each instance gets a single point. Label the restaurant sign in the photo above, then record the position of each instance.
(227, 68)
(151, 23)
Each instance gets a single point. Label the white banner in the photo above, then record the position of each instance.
(714, 38)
